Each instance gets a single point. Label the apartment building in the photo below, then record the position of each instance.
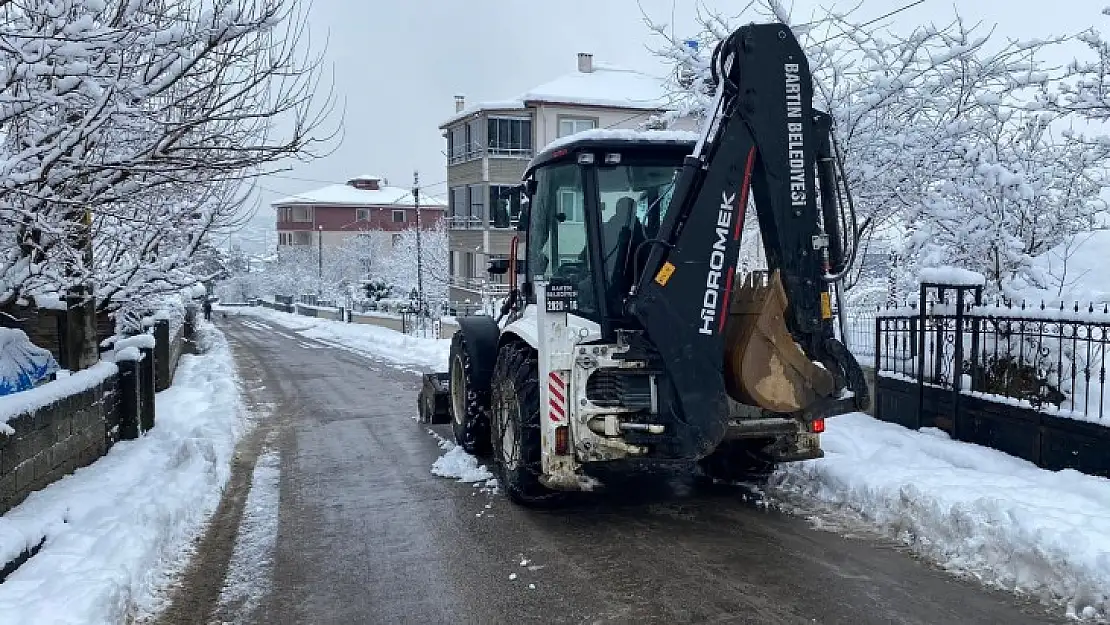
(489, 145)
(364, 206)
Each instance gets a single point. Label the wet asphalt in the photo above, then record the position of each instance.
(366, 533)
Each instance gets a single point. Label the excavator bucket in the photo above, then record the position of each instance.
(764, 366)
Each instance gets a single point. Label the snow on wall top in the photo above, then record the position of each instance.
(621, 134)
(347, 195)
(952, 275)
(606, 86)
(13, 405)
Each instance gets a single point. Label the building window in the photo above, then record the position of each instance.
(457, 144)
(302, 237)
(457, 208)
(471, 265)
(570, 205)
(572, 125)
(477, 199)
(362, 214)
(396, 240)
(295, 213)
(398, 216)
(500, 213)
(510, 136)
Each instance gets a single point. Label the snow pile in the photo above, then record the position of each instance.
(970, 509)
(388, 345)
(116, 528)
(458, 464)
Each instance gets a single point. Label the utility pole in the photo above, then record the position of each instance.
(320, 261)
(419, 248)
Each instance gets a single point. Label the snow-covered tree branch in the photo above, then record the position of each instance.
(128, 128)
(948, 132)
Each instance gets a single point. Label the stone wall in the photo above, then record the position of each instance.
(49, 441)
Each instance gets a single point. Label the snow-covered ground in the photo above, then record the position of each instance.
(972, 510)
(382, 343)
(118, 530)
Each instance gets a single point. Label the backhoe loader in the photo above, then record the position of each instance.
(629, 333)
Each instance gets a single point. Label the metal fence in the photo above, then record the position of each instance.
(1044, 358)
(859, 336)
(1029, 381)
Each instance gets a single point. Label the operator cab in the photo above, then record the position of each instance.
(596, 201)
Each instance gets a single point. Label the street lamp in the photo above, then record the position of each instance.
(320, 261)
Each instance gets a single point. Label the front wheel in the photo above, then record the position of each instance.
(515, 426)
(469, 402)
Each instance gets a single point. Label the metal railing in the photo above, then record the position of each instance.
(478, 151)
(1051, 359)
(479, 285)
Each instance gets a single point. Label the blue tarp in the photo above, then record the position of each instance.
(22, 363)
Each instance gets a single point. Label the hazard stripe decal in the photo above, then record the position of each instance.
(557, 388)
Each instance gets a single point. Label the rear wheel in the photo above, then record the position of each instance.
(469, 402)
(515, 427)
(739, 461)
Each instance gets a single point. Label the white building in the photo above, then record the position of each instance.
(490, 143)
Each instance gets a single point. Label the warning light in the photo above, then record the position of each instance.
(562, 440)
(818, 426)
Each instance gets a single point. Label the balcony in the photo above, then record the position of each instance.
(480, 286)
(466, 222)
(478, 152)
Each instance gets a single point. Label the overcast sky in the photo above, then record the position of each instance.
(398, 64)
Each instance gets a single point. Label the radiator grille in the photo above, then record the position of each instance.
(610, 388)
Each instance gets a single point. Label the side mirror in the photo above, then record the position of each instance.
(498, 266)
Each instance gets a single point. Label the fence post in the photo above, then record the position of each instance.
(920, 357)
(128, 398)
(162, 350)
(190, 321)
(147, 381)
(958, 365)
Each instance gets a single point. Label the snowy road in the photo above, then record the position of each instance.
(366, 534)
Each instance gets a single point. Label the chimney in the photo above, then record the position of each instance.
(365, 183)
(585, 62)
(460, 103)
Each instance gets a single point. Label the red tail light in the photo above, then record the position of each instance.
(562, 440)
(818, 426)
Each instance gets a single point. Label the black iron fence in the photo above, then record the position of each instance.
(1030, 380)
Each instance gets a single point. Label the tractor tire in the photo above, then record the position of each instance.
(739, 461)
(515, 426)
(469, 401)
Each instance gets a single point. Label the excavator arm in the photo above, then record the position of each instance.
(763, 341)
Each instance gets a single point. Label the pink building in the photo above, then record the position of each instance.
(364, 206)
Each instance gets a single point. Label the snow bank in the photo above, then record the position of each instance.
(383, 343)
(970, 509)
(115, 528)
